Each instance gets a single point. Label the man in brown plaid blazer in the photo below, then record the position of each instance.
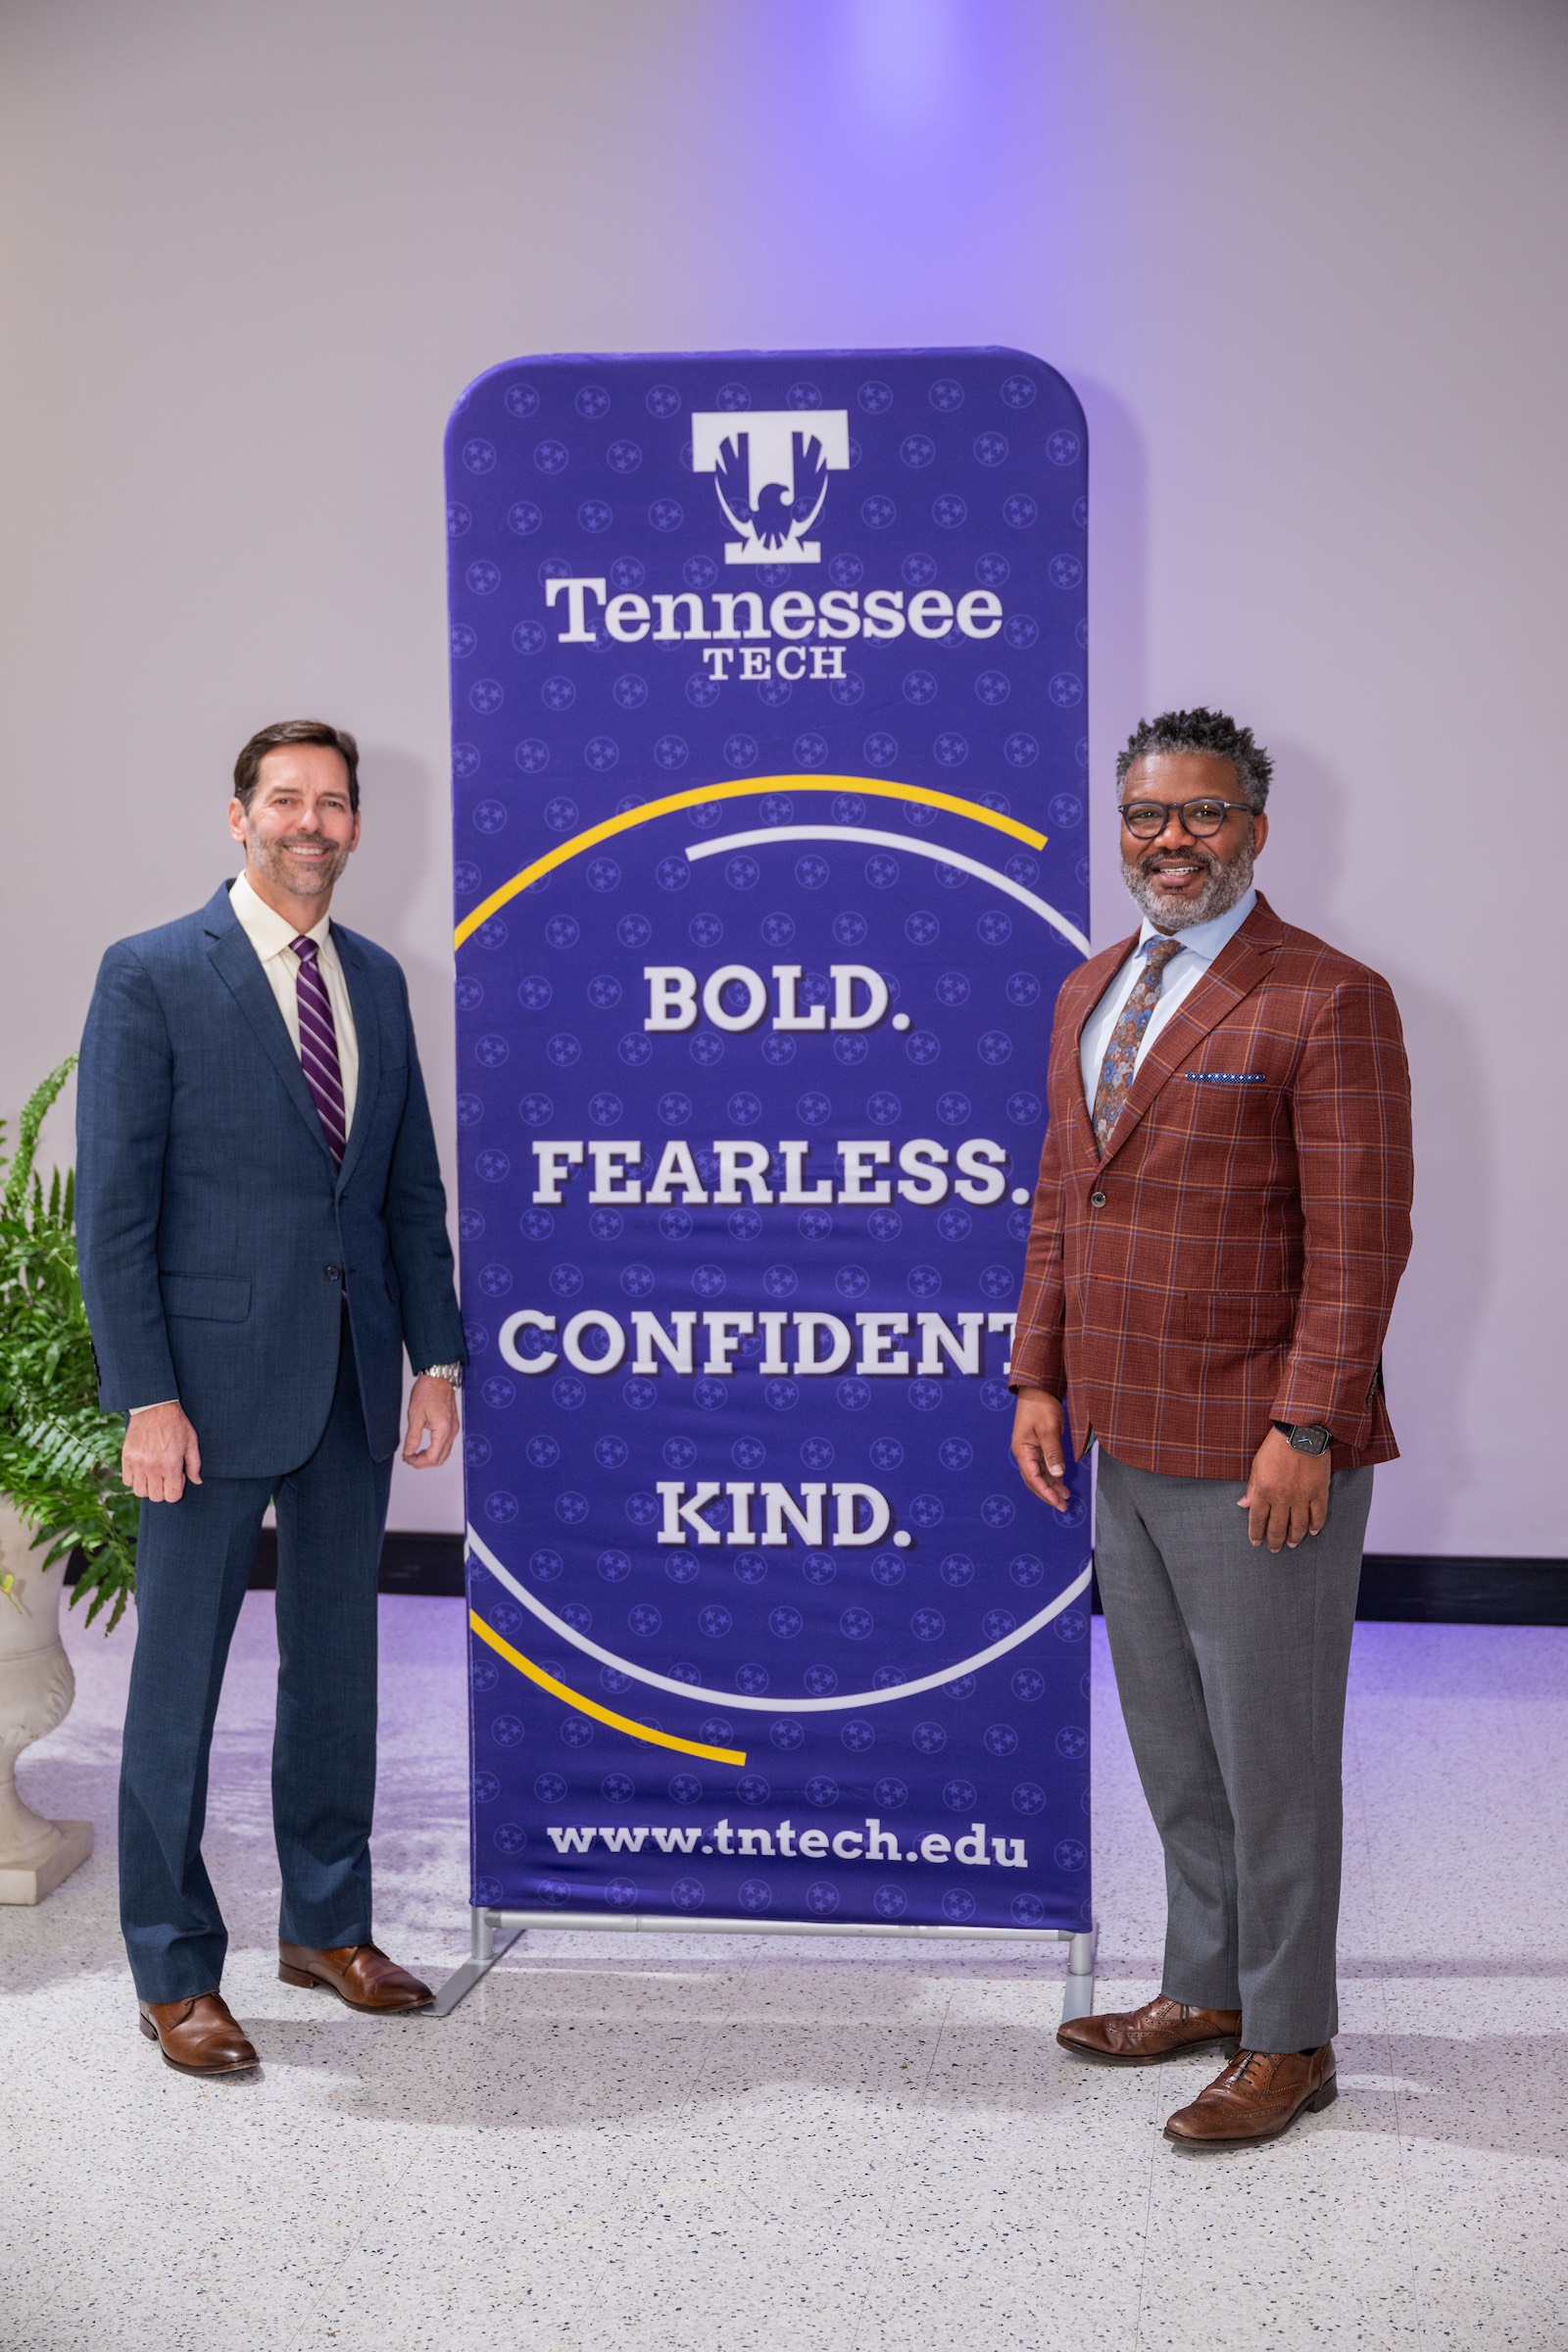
(1222, 1217)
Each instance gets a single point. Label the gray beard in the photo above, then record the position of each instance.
(1226, 884)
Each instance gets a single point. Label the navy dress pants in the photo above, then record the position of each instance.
(192, 1563)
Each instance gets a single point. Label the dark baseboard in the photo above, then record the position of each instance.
(1404, 1588)
(1400, 1587)
(1397, 1587)
(431, 1565)
(410, 1563)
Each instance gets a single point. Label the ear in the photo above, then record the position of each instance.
(1259, 832)
(236, 819)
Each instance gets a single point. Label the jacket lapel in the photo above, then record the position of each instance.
(239, 966)
(1244, 959)
(368, 1035)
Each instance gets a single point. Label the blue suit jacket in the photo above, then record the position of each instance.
(216, 1234)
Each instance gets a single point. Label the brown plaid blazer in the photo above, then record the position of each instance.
(1233, 1258)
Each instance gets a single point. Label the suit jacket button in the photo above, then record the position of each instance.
(334, 1273)
(1096, 1199)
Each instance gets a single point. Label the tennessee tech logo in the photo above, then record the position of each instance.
(771, 470)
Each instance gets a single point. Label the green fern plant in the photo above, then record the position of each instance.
(59, 1451)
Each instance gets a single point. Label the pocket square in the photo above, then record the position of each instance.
(1227, 1077)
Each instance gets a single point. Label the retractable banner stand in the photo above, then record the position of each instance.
(768, 692)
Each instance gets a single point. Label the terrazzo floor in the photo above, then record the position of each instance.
(711, 2144)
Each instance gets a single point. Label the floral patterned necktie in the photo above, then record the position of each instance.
(1116, 1070)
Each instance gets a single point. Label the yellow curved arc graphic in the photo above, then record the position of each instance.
(591, 1707)
(698, 796)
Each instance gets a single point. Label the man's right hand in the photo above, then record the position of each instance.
(160, 1454)
(1037, 1446)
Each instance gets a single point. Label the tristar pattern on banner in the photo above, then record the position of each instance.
(768, 695)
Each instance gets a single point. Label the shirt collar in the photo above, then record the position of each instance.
(1204, 940)
(268, 931)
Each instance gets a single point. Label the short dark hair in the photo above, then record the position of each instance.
(248, 766)
(1202, 730)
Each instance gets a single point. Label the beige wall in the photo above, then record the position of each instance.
(1303, 264)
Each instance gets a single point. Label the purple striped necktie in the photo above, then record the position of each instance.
(318, 1049)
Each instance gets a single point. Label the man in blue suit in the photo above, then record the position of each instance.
(263, 1232)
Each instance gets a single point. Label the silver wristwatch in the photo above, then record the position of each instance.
(451, 1372)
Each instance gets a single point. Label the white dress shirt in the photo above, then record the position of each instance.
(272, 934)
(1201, 944)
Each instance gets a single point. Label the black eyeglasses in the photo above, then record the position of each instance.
(1146, 820)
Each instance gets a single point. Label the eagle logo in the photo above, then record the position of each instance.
(771, 470)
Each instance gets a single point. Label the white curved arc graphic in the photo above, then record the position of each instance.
(776, 1707)
(897, 841)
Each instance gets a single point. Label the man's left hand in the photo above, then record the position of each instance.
(1287, 1495)
(432, 1417)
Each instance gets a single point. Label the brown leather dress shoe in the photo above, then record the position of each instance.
(359, 1974)
(1160, 2028)
(198, 2036)
(1259, 2096)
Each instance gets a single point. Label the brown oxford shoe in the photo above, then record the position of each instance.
(1259, 2096)
(198, 2036)
(1160, 2028)
(359, 1974)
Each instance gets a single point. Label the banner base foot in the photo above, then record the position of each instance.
(484, 1953)
(1078, 1996)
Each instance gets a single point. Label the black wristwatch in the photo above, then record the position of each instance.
(1306, 1437)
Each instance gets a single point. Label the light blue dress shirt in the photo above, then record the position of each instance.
(1201, 944)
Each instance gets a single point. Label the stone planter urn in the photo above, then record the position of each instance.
(36, 1688)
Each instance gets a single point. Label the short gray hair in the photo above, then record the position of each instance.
(1207, 731)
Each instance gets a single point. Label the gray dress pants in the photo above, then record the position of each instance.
(1230, 1665)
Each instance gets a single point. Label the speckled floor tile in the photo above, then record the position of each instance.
(724, 2144)
(1488, 2243)
(479, 2240)
(1043, 2250)
(1479, 2087)
(1300, 2242)
(703, 2280)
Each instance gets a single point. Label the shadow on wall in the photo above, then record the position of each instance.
(405, 820)
(404, 868)
(1118, 634)
(401, 897)
(1437, 1319)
